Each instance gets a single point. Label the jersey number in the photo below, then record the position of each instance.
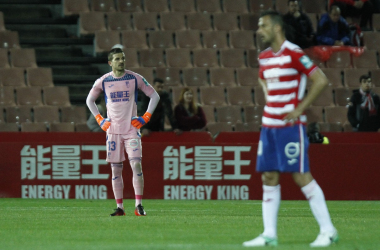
(111, 146)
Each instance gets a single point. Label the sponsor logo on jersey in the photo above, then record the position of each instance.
(305, 60)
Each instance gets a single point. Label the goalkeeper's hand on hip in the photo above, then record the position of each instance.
(139, 121)
(103, 123)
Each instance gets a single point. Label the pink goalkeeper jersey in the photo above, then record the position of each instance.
(286, 73)
(121, 99)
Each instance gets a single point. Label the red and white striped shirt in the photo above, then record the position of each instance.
(286, 73)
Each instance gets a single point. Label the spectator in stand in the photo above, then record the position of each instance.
(299, 25)
(333, 29)
(188, 113)
(363, 109)
(356, 8)
(164, 108)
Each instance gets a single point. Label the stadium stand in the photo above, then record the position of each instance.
(188, 39)
(171, 76)
(215, 39)
(222, 77)
(33, 127)
(18, 114)
(242, 39)
(129, 5)
(62, 127)
(235, 6)
(173, 21)
(183, 6)
(30, 96)
(118, 21)
(102, 5)
(4, 58)
(156, 5)
(178, 58)
(195, 77)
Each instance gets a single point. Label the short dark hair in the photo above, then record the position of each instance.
(292, 1)
(364, 77)
(275, 17)
(334, 7)
(158, 80)
(113, 52)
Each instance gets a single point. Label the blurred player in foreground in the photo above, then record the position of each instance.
(120, 87)
(283, 141)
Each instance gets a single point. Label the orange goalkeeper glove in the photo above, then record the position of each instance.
(103, 123)
(139, 121)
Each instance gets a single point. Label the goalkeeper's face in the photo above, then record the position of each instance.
(118, 62)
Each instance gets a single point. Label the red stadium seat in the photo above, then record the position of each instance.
(253, 113)
(156, 5)
(199, 21)
(9, 127)
(208, 6)
(134, 39)
(105, 40)
(351, 77)
(47, 114)
(30, 96)
(340, 59)
(195, 77)
(178, 58)
(257, 6)
(249, 21)
(23, 58)
(367, 60)
(161, 39)
(336, 114)
(4, 58)
(212, 96)
(119, 21)
(239, 96)
(215, 39)
(235, 6)
(225, 21)
(7, 96)
(9, 39)
(242, 39)
(182, 6)
(317, 6)
(252, 57)
(230, 114)
(145, 21)
(39, 77)
(259, 96)
(12, 77)
(103, 5)
(282, 6)
(18, 114)
(74, 114)
(2, 26)
(205, 58)
(56, 96)
(74, 7)
(325, 98)
(232, 58)
(33, 127)
(334, 76)
(247, 76)
(173, 21)
(147, 73)
(152, 58)
(209, 113)
(129, 5)
(314, 114)
(222, 77)
(342, 96)
(190, 39)
(90, 22)
(171, 76)
(62, 127)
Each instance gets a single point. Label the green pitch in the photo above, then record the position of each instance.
(85, 224)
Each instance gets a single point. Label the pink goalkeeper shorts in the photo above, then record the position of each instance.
(116, 145)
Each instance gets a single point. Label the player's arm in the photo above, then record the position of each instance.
(90, 101)
(320, 82)
(263, 84)
(139, 121)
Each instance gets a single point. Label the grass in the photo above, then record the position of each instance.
(85, 224)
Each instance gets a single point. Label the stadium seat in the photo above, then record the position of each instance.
(314, 19)
(334, 76)
(90, 22)
(33, 127)
(195, 77)
(2, 26)
(325, 98)
(371, 40)
(62, 127)
(239, 96)
(147, 73)
(82, 127)
(18, 114)
(375, 74)
(216, 127)
(225, 21)
(199, 21)
(74, 7)
(134, 39)
(222, 77)
(314, 114)
(352, 76)
(9, 127)
(249, 21)
(178, 58)
(336, 114)
(316, 6)
(205, 58)
(12, 77)
(215, 39)
(4, 58)
(257, 6)
(56, 96)
(9, 39)
(253, 113)
(74, 114)
(156, 5)
(235, 6)
(171, 76)
(119, 21)
(177, 90)
(367, 60)
(103, 5)
(39, 77)
(23, 58)
(242, 39)
(182, 6)
(7, 96)
(47, 114)
(212, 96)
(145, 21)
(247, 77)
(376, 21)
(129, 5)
(330, 127)
(208, 6)
(230, 114)
(105, 40)
(232, 58)
(161, 39)
(173, 21)
(131, 58)
(259, 96)
(252, 57)
(282, 6)
(209, 113)
(190, 39)
(247, 127)
(340, 59)
(30, 96)
(152, 58)
(342, 96)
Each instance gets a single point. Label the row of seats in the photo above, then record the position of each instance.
(34, 96)
(20, 58)
(34, 77)
(44, 127)
(9, 39)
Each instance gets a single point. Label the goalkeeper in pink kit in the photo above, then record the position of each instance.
(120, 88)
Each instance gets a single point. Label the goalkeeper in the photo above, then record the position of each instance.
(120, 88)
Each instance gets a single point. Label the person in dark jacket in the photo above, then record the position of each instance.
(164, 108)
(333, 29)
(363, 109)
(188, 113)
(357, 8)
(299, 26)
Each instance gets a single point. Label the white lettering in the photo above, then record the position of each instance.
(187, 192)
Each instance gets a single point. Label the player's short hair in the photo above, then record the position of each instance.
(364, 77)
(113, 52)
(158, 80)
(275, 17)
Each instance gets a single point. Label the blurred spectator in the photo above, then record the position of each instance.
(314, 134)
(356, 8)
(92, 124)
(333, 29)
(299, 25)
(363, 111)
(164, 108)
(188, 113)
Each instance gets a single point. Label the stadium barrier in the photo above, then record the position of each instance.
(190, 166)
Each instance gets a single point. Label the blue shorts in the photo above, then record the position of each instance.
(283, 149)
